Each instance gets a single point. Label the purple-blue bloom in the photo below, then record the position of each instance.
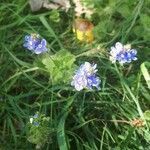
(93, 81)
(85, 77)
(122, 53)
(35, 44)
(35, 123)
(36, 116)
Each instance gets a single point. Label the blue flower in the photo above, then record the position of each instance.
(93, 81)
(85, 77)
(35, 44)
(36, 116)
(122, 53)
(35, 123)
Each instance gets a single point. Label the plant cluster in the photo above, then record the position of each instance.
(81, 69)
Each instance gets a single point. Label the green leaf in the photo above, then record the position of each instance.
(61, 133)
(138, 31)
(145, 24)
(54, 16)
(100, 30)
(124, 10)
(50, 30)
(147, 115)
(88, 3)
(146, 73)
(145, 21)
(147, 136)
(41, 133)
(60, 66)
(61, 136)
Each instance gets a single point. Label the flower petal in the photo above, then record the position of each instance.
(119, 46)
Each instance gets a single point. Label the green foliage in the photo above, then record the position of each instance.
(145, 21)
(144, 70)
(88, 4)
(60, 66)
(39, 130)
(147, 115)
(103, 29)
(142, 28)
(83, 120)
(54, 16)
(124, 10)
(117, 17)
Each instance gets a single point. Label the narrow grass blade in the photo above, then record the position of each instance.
(50, 30)
(61, 127)
(145, 73)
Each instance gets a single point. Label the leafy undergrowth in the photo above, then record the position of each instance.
(114, 118)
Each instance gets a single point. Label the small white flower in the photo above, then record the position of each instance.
(31, 120)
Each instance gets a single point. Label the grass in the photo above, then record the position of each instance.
(99, 120)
